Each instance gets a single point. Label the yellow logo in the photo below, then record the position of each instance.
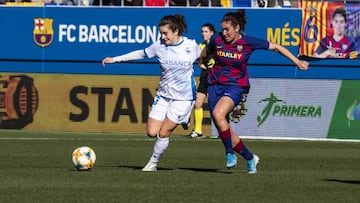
(43, 32)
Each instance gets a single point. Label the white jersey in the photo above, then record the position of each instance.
(176, 63)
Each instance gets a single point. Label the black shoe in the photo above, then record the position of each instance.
(194, 134)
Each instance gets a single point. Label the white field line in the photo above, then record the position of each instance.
(182, 140)
(72, 139)
(299, 139)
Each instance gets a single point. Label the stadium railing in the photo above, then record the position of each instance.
(166, 3)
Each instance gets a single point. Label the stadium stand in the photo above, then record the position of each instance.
(165, 3)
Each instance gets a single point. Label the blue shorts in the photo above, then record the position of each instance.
(215, 92)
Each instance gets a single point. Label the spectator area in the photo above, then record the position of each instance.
(156, 3)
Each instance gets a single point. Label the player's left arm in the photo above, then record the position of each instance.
(202, 57)
(303, 65)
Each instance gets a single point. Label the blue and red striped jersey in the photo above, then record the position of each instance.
(231, 59)
(343, 46)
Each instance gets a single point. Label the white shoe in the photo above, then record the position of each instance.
(150, 166)
(252, 164)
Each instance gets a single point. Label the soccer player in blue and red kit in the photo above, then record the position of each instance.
(229, 79)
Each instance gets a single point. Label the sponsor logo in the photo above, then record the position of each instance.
(353, 112)
(278, 107)
(18, 101)
(43, 32)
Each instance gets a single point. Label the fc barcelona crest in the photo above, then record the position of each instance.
(43, 32)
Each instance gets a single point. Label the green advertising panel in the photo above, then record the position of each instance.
(345, 123)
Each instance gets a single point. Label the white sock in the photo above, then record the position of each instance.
(160, 146)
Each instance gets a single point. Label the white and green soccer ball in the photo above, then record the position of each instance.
(83, 158)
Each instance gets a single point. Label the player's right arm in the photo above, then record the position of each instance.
(134, 55)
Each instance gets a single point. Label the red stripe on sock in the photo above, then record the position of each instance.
(239, 147)
(225, 134)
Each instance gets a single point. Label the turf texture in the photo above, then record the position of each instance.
(36, 167)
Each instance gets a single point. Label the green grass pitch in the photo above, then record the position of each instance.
(36, 167)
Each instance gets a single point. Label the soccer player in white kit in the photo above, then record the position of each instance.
(176, 94)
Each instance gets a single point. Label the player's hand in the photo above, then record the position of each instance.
(107, 60)
(331, 52)
(202, 66)
(303, 65)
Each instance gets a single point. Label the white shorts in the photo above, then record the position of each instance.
(177, 111)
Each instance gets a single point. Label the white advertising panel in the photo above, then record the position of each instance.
(300, 108)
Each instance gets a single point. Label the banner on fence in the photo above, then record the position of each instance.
(330, 30)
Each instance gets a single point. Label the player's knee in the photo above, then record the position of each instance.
(152, 132)
(164, 133)
(217, 115)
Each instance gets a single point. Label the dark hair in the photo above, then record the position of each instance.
(236, 18)
(210, 26)
(175, 22)
(341, 11)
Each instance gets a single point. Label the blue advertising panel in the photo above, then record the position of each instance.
(89, 34)
(76, 39)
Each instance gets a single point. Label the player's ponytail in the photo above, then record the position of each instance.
(236, 18)
(242, 18)
(182, 26)
(175, 22)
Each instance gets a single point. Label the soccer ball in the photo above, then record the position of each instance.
(83, 158)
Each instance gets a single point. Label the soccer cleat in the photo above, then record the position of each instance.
(185, 126)
(150, 166)
(230, 160)
(194, 134)
(252, 164)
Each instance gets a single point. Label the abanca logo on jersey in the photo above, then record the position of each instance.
(177, 63)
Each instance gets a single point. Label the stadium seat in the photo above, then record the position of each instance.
(241, 3)
(155, 3)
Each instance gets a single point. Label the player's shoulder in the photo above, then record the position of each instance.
(250, 38)
(327, 38)
(188, 40)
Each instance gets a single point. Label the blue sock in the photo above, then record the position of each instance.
(226, 139)
(243, 151)
(246, 154)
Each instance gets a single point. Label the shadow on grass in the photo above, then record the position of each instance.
(204, 170)
(356, 182)
(140, 167)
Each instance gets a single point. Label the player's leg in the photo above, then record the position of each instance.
(161, 144)
(220, 106)
(176, 113)
(223, 106)
(239, 146)
(198, 108)
(157, 115)
(198, 115)
(156, 119)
